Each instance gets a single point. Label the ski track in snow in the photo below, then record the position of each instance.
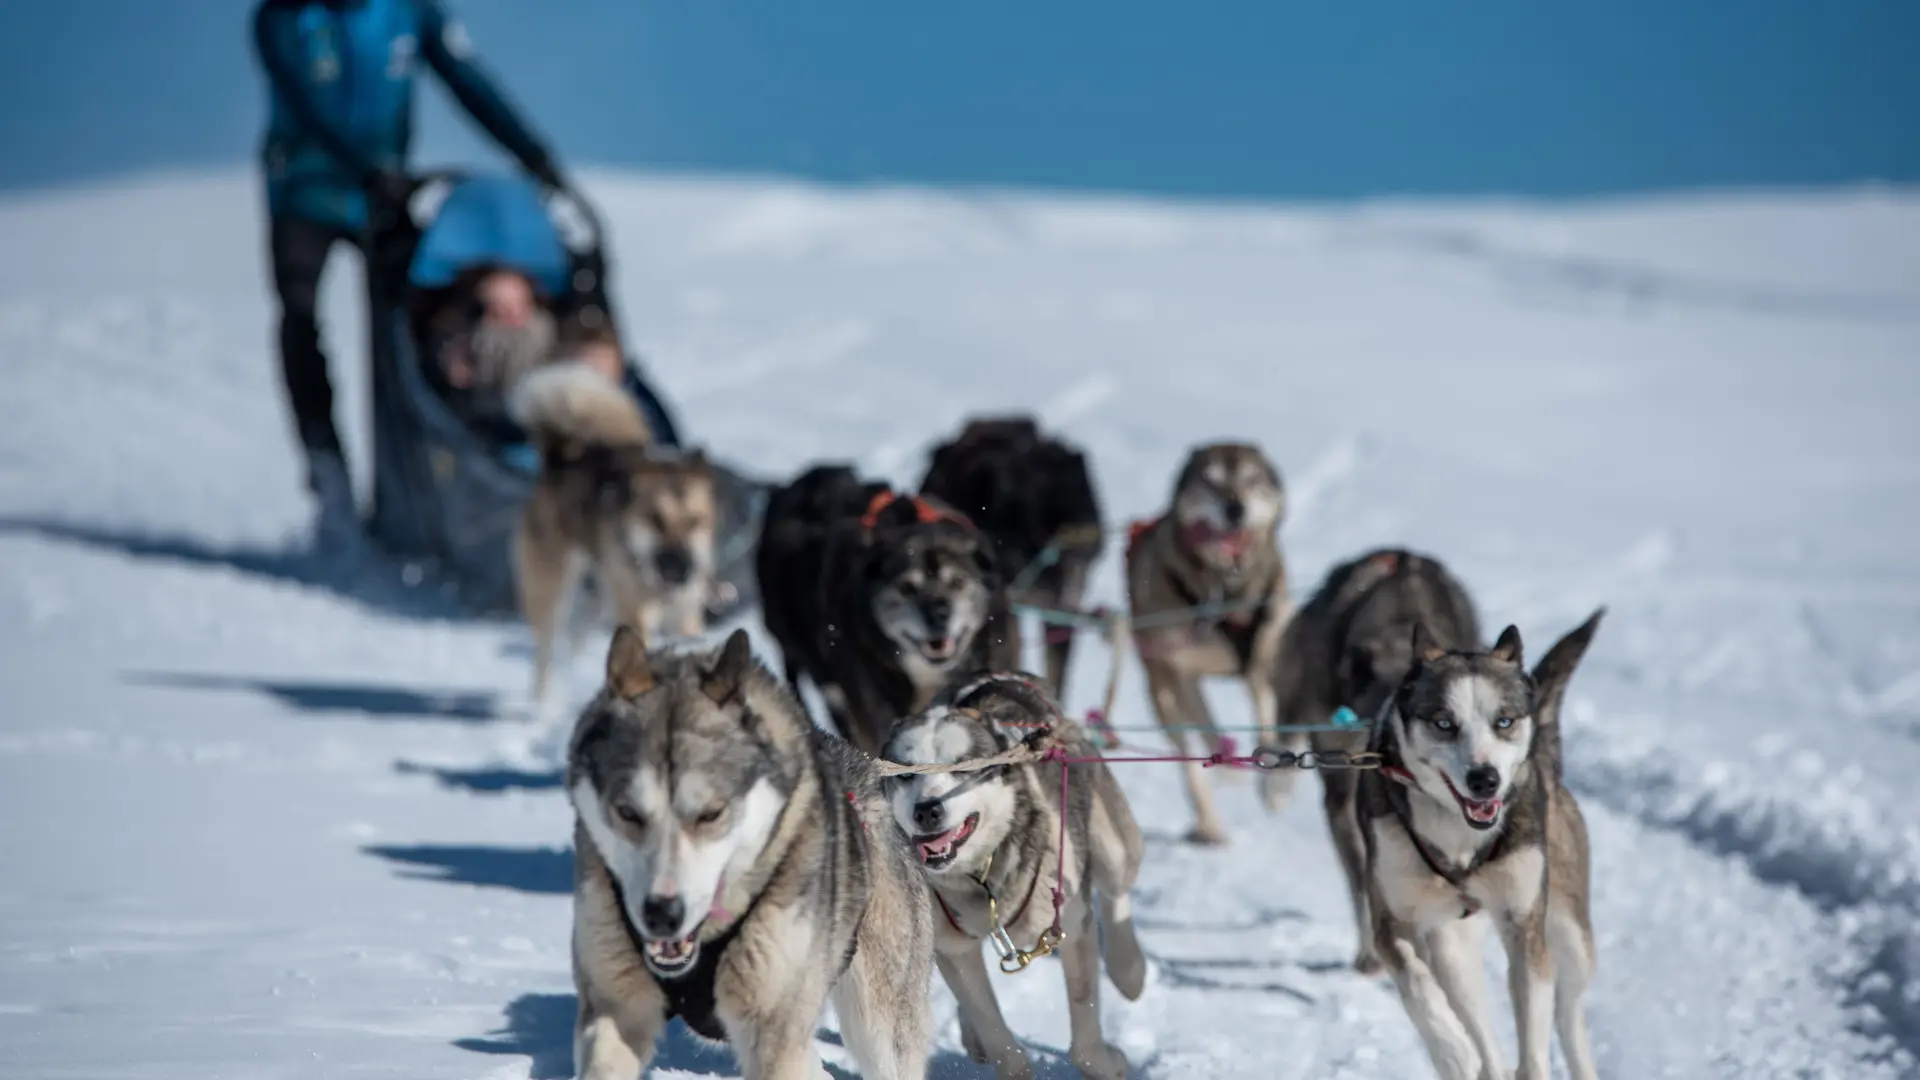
(269, 819)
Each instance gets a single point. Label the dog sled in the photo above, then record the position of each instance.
(446, 491)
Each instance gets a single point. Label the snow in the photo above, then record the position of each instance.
(263, 820)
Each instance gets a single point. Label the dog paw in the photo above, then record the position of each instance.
(1104, 1062)
(1207, 834)
(970, 1042)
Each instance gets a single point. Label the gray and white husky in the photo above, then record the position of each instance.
(737, 867)
(989, 843)
(1467, 822)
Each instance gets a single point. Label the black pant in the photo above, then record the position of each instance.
(299, 250)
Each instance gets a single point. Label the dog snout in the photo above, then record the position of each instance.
(1483, 781)
(927, 815)
(936, 613)
(660, 916)
(675, 565)
(1234, 511)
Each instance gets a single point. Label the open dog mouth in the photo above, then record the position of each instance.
(1480, 813)
(938, 852)
(940, 649)
(670, 958)
(1231, 545)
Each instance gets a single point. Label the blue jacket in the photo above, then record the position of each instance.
(340, 73)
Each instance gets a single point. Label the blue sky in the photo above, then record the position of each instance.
(1273, 100)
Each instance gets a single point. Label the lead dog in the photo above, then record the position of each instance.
(1215, 549)
(1467, 822)
(989, 843)
(737, 867)
(1033, 496)
(1348, 646)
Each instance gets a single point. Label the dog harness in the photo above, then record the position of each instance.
(689, 995)
(1403, 813)
(923, 511)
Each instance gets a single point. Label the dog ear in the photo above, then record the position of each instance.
(726, 680)
(629, 674)
(1550, 675)
(1425, 649)
(1508, 648)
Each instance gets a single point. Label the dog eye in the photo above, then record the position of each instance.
(1441, 721)
(629, 815)
(1502, 723)
(712, 815)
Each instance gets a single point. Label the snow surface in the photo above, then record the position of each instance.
(261, 821)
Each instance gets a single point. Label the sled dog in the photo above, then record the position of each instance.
(1349, 645)
(737, 867)
(1033, 496)
(638, 517)
(1214, 550)
(880, 604)
(989, 844)
(1467, 816)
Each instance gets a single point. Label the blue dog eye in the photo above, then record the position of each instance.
(1503, 723)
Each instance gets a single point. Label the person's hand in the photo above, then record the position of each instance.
(548, 173)
(391, 187)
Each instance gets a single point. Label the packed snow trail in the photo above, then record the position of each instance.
(267, 820)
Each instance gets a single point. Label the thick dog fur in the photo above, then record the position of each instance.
(1002, 827)
(738, 867)
(1215, 544)
(880, 613)
(1468, 823)
(642, 521)
(1350, 645)
(1031, 494)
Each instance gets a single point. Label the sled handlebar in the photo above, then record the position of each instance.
(596, 231)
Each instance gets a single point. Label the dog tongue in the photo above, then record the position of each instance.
(1483, 810)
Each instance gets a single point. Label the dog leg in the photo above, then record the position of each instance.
(1339, 795)
(602, 1052)
(1168, 691)
(1114, 844)
(886, 1029)
(780, 1048)
(542, 583)
(1455, 951)
(1454, 1057)
(1059, 639)
(1572, 947)
(1276, 785)
(1530, 984)
(1087, 1047)
(966, 975)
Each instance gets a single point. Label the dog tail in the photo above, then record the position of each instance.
(1550, 678)
(570, 403)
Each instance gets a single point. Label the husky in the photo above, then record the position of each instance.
(990, 845)
(1468, 816)
(881, 606)
(737, 867)
(639, 518)
(1033, 496)
(1214, 547)
(1348, 647)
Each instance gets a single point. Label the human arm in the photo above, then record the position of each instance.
(444, 45)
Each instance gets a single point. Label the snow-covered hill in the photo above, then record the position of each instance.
(260, 822)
